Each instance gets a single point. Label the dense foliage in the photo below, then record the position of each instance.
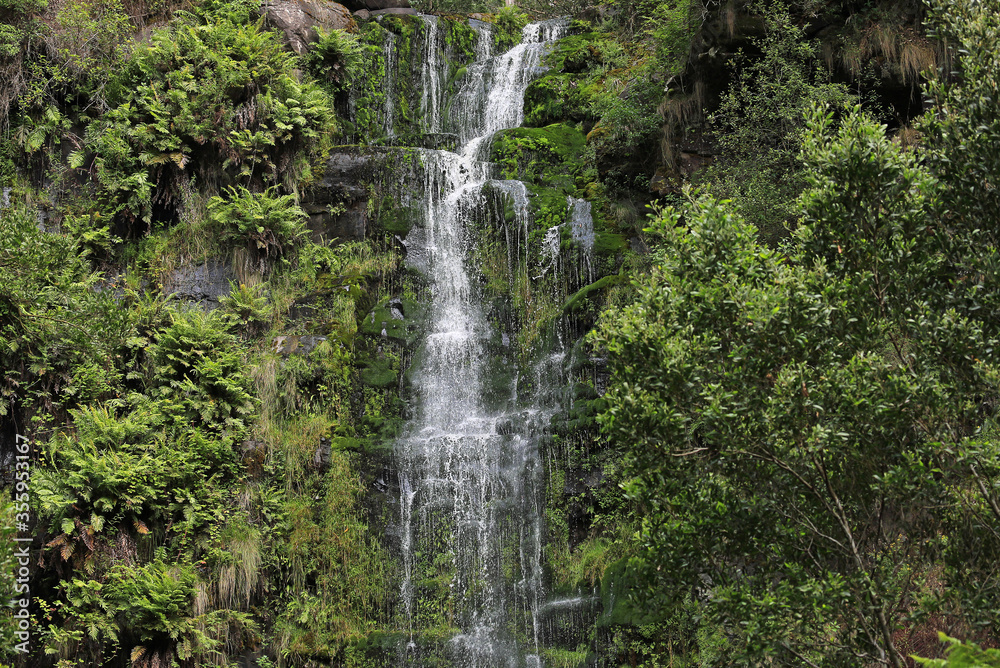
(803, 381)
(810, 428)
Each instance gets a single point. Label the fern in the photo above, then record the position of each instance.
(271, 223)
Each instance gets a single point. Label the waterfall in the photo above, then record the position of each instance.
(471, 503)
(581, 221)
(434, 70)
(389, 86)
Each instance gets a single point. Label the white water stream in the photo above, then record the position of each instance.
(469, 472)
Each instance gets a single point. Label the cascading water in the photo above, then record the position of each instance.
(389, 86)
(469, 471)
(581, 221)
(433, 73)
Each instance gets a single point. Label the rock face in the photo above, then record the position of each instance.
(375, 5)
(202, 283)
(303, 345)
(341, 206)
(298, 20)
(337, 207)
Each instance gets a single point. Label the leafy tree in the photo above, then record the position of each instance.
(810, 429)
(963, 655)
(759, 120)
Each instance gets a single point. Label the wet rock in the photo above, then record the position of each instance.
(362, 15)
(321, 458)
(395, 10)
(669, 180)
(441, 141)
(254, 456)
(338, 205)
(298, 20)
(202, 283)
(398, 319)
(364, 189)
(376, 5)
(302, 345)
(396, 308)
(250, 446)
(348, 225)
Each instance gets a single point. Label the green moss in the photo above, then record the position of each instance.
(383, 321)
(549, 207)
(607, 243)
(551, 156)
(571, 91)
(394, 218)
(559, 97)
(460, 37)
(507, 26)
(409, 35)
(380, 373)
(578, 53)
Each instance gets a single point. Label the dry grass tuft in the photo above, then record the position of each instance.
(880, 39)
(908, 136)
(888, 41)
(729, 15)
(852, 57)
(247, 269)
(678, 112)
(624, 213)
(238, 580)
(918, 57)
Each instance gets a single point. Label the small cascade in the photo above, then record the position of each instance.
(581, 222)
(516, 235)
(433, 75)
(493, 97)
(467, 105)
(470, 477)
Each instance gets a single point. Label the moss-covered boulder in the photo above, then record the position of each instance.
(551, 156)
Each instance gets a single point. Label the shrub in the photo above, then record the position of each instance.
(219, 101)
(198, 371)
(271, 223)
(335, 58)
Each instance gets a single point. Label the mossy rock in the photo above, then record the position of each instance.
(396, 219)
(385, 640)
(608, 243)
(557, 98)
(551, 156)
(578, 53)
(580, 299)
(549, 207)
(460, 36)
(575, 80)
(380, 373)
(399, 320)
(401, 24)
